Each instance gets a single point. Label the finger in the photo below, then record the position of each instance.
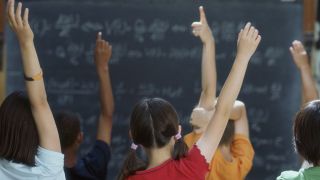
(246, 28)
(295, 44)
(99, 36)
(197, 28)
(291, 50)
(300, 46)
(255, 34)
(251, 31)
(258, 40)
(18, 14)
(26, 17)
(11, 17)
(104, 45)
(239, 35)
(194, 32)
(196, 24)
(203, 18)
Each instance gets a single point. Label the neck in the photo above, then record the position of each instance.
(157, 156)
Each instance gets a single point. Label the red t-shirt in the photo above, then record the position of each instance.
(191, 167)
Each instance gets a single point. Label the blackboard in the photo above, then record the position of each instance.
(155, 54)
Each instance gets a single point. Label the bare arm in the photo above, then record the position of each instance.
(209, 74)
(248, 41)
(239, 115)
(300, 58)
(102, 56)
(48, 134)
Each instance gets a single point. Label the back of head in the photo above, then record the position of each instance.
(307, 132)
(19, 138)
(153, 123)
(68, 125)
(228, 134)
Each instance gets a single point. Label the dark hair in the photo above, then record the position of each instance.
(68, 125)
(306, 132)
(153, 123)
(19, 138)
(228, 134)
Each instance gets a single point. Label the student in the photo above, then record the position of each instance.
(29, 140)
(306, 126)
(94, 164)
(233, 159)
(154, 126)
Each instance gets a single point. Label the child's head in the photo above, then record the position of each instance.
(153, 125)
(200, 119)
(71, 137)
(306, 132)
(19, 138)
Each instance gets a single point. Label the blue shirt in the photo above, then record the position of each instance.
(92, 166)
(48, 166)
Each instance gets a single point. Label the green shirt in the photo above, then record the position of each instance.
(312, 173)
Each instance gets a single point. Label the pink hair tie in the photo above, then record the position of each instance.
(134, 146)
(178, 136)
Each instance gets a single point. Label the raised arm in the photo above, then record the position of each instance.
(202, 30)
(300, 58)
(248, 40)
(47, 130)
(102, 56)
(239, 115)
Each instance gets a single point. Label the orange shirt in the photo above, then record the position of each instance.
(221, 169)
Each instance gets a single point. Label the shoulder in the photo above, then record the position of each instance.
(290, 175)
(95, 163)
(241, 141)
(191, 138)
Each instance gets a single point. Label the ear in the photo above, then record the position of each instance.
(180, 128)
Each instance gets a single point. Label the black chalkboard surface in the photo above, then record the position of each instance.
(155, 54)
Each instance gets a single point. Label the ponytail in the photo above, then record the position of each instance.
(131, 164)
(180, 148)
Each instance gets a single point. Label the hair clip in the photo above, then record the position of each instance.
(178, 136)
(134, 146)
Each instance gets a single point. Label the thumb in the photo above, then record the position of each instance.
(203, 18)
(99, 36)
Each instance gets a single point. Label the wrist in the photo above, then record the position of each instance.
(102, 71)
(26, 43)
(305, 67)
(209, 42)
(242, 58)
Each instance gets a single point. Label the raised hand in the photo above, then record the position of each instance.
(299, 54)
(201, 28)
(102, 53)
(19, 25)
(248, 41)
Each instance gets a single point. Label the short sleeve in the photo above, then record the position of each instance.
(95, 163)
(243, 151)
(195, 164)
(190, 139)
(289, 175)
(49, 162)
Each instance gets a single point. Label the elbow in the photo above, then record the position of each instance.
(108, 113)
